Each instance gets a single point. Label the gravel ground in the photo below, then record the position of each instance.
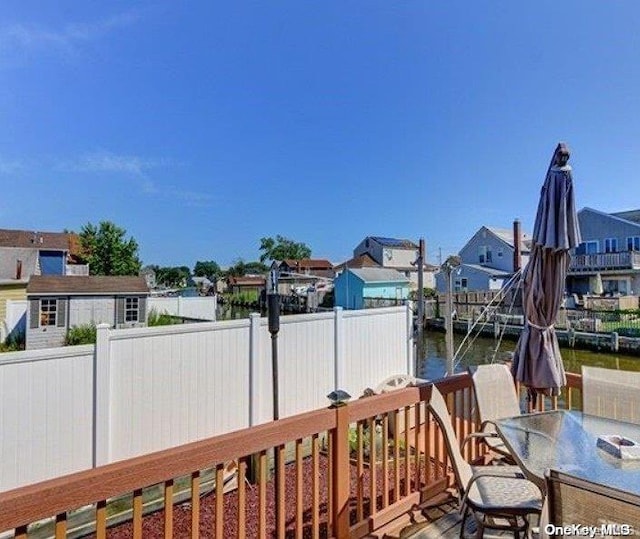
(153, 524)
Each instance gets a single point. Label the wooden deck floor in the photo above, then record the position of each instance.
(440, 518)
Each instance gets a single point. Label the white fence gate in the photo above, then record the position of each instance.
(145, 389)
(16, 318)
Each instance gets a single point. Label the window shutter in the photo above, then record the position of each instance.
(61, 306)
(34, 313)
(142, 309)
(119, 311)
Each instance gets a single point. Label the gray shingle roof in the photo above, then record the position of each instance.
(89, 285)
(506, 235)
(379, 275)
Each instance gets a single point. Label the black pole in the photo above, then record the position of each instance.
(273, 308)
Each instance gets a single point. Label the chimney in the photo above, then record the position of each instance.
(517, 239)
(18, 269)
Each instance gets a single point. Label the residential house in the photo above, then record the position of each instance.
(296, 276)
(364, 260)
(487, 260)
(361, 288)
(610, 247)
(247, 283)
(57, 303)
(149, 275)
(25, 253)
(399, 254)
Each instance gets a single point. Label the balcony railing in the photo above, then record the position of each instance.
(605, 261)
(347, 471)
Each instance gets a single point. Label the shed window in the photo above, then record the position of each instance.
(48, 312)
(131, 309)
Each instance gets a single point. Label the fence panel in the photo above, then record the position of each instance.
(47, 414)
(375, 347)
(171, 386)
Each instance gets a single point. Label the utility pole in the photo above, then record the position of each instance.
(420, 321)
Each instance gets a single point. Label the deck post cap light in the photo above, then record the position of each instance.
(338, 397)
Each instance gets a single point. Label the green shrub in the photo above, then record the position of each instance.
(14, 342)
(83, 334)
(161, 319)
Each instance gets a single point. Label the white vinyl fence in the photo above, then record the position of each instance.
(16, 318)
(145, 389)
(201, 308)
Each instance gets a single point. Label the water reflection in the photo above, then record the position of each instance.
(483, 350)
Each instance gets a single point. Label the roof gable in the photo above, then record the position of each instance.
(615, 216)
(504, 235)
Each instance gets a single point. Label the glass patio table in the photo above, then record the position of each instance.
(566, 440)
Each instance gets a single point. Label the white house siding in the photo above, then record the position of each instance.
(91, 310)
(46, 414)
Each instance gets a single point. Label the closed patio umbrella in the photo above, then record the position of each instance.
(537, 362)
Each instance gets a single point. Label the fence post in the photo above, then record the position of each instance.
(338, 340)
(340, 479)
(254, 367)
(179, 305)
(101, 397)
(412, 361)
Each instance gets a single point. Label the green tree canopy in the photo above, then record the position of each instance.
(173, 276)
(281, 248)
(206, 268)
(107, 251)
(255, 267)
(238, 269)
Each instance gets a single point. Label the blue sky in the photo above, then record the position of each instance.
(201, 127)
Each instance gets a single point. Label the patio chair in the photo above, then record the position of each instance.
(499, 497)
(496, 398)
(611, 393)
(572, 500)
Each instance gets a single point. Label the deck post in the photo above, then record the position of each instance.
(340, 478)
(101, 405)
(338, 340)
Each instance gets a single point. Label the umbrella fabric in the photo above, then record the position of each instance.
(537, 362)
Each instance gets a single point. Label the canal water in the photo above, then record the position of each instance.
(481, 351)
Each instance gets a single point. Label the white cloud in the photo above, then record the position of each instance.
(21, 38)
(11, 166)
(110, 162)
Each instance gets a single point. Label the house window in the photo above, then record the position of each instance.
(592, 247)
(611, 245)
(48, 312)
(633, 243)
(484, 254)
(463, 283)
(500, 252)
(131, 309)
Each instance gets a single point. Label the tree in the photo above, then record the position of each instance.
(107, 251)
(208, 269)
(255, 268)
(173, 276)
(281, 248)
(238, 269)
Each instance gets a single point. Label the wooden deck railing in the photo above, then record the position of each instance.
(346, 471)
